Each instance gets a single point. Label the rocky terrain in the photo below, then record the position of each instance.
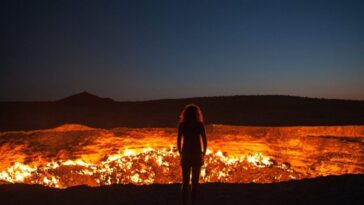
(331, 190)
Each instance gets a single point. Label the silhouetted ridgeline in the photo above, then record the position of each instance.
(269, 110)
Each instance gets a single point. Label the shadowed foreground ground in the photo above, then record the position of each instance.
(348, 189)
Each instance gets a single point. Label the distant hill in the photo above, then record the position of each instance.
(265, 110)
(85, 98)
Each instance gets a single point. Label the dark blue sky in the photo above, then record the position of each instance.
(137, 50)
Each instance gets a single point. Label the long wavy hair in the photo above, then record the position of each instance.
(191, 113)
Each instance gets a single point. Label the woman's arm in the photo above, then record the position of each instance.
(204, 140)
(179, 139)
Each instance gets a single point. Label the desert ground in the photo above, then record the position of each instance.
(345, 189)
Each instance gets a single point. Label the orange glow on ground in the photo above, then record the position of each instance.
(72, 155)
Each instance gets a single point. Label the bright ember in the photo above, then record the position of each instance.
(72, 155)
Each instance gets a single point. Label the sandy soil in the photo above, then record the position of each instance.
(346, 189)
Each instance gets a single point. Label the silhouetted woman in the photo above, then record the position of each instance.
(191, 130)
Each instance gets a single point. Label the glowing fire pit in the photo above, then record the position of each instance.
(73, 155)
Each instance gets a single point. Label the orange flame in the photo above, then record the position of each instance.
(73, 155)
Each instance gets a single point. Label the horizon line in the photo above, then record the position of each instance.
(186, 98)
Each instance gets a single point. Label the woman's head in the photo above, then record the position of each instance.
(191, 113)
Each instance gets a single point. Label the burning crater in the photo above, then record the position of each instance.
(72, 155)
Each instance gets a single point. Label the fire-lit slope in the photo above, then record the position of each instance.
(74, 154)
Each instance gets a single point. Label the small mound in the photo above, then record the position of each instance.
(71, 127)
(85, 98)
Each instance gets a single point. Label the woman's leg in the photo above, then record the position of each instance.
(195, 177)
(186, 171)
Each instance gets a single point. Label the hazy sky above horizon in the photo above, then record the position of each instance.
(138, 50)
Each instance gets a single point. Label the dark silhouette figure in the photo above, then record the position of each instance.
(191, 130)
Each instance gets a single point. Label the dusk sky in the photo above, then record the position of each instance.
(141, 50)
